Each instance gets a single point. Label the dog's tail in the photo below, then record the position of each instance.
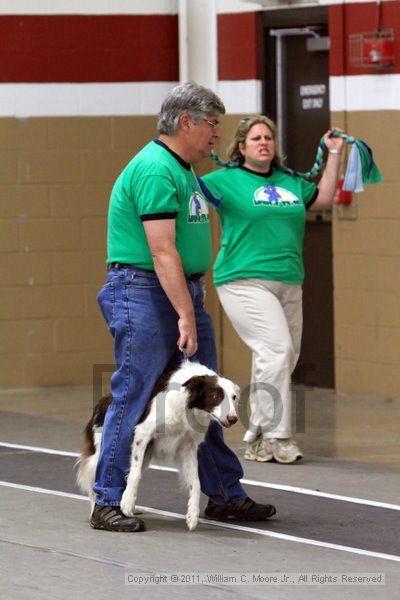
(87, 460)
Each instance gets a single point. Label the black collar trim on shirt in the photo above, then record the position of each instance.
(270, 172)
(180, 160)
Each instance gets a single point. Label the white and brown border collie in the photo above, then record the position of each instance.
(183, 404)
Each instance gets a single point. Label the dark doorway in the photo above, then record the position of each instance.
(306, 97)
(296, 96)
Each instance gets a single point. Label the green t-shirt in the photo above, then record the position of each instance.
(263, 221)
(158, 184)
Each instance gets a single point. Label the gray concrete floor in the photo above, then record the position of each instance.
(48, 550)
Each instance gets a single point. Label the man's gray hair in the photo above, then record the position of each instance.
(191, 99)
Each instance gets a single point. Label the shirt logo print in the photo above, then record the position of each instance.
(271, 195)
(198, 209)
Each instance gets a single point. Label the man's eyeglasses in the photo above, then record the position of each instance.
(212, 124)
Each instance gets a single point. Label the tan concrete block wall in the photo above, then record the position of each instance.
(55, 180)
(22, 269)
(84, 199)
(80, 133)
(8, 166)
(35, 235)
(23, 202)
(366, 244)
(24, 134)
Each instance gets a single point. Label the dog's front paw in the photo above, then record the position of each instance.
(127, 505)
(192, 518)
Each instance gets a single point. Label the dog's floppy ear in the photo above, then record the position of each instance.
(195, 380)
(195, 388)
(204, 392)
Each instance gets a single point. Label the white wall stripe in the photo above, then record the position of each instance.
(60, 7)
(63, 7)
(111, 99)
(240, 6)
(351, 1)
(253, 482)
(254, 530)
(241, 96)
(81, 99)
(365, 92)
(351, 93)
(237, 5)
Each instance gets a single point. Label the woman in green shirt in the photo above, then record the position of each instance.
(259, 271)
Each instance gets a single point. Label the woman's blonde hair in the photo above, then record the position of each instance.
(240, 136)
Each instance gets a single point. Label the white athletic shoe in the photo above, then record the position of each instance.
(259, 450)
(285, 451)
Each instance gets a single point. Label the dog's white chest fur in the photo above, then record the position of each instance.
(175, 425)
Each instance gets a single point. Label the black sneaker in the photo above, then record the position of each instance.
(111, 518)
(239, 510)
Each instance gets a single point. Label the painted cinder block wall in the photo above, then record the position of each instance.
(367, 249)
(56, 172)
(67, 83)
(53, 207)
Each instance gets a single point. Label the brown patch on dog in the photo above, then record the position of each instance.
(204, 392)
(99, 411)
(97, 420)
(162, 382)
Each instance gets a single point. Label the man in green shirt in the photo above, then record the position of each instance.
(158, 249)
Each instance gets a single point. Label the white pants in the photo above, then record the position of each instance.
(267, 315)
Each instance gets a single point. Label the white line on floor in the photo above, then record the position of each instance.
(263, 532)
(308, 492)
(274, 486)
(40, 450)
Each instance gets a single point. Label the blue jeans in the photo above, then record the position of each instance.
(144, 326)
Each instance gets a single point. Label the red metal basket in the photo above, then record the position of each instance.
(373, 50)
